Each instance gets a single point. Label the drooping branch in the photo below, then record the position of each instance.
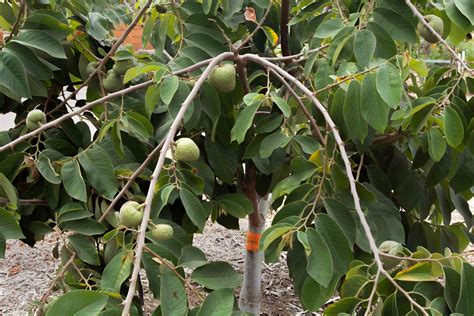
(25, 202)
(154, 178)
(438, 36)
(130, 181)
(86, 107)
(315, 129)
(285, 15)
(107, 57)
(348, 167)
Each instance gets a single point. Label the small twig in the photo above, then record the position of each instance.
(258, 27)
(17, 22)
(315, 129)
(285, 15)
(131, 180)
(4, 201)
(372, 293)
(154, 178)
(107, 57)
(359, 169)
(56, 279)
(438, 36)
(301, 54)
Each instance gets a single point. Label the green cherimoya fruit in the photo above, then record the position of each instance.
(186, 150)
(112, 82)
(130, 214)
(223, 77)
(436, 23)
(392, 248)
(121, 66)
(162, 232)
(35, 119)
(91, 67)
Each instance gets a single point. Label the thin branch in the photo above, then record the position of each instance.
(258, 27)
(285, 15)
(159, 165)
(56, 279)
(78, 111)
(107, 57)
(283, 58)
(131, 180)
(347, 163)
(17, 22)
(25, 202)
(438, 36)
(372, 293)
(315, 129)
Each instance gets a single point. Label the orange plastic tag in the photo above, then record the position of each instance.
(252, 241)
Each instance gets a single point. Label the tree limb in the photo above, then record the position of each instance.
(348, 167)
(159, 165)
(78, 111)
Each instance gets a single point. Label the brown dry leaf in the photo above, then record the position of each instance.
(250, 14)
(14, 270)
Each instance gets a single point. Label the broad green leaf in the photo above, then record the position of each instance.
(282, 104)
(467, 9)
(320, 265)
(99, 171)
(9, 226)
(465, 304)
(168, 88)
(314, 295)
(436, 144)
(420, 272)
(85, 248)
(272, 142)
(71, 212)
(218, 303)
(174, 301)
(235, 204)
(31, 63)
(138, 125)
(245, 117)
(346, 305)
(396, 25)
(272, 36)
(40, 40)
(389, 84)
(355, 123)
(78, 302)
(194, 208)
(364, 47)
(222, 159)
(272, 233)
(419, 66)
(385, 46)
(217, 275)
(192, 257)
(43, 164)
(97, 26)
(337, 242)
(453, 127)
(116, 272)
(374, 110)
(206, 6)
(452, 281)
(8, 190)
(329, 28)
(87, 226)
(73, 181)
(341, 215)
(13, 76)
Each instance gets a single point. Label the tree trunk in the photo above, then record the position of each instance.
(250, 298)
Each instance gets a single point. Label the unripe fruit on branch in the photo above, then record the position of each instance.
(223, 78)
(186, 150)
(162, 232)
(91, 67)
(113, 82)
(121, 66)
(393, 248)
(436, 23)
(35, 119)
(130, 214)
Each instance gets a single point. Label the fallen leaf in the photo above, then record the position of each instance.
(14, 270)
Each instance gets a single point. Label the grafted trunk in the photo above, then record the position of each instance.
(250, 298)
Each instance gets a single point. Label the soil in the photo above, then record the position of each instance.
(26, 272)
